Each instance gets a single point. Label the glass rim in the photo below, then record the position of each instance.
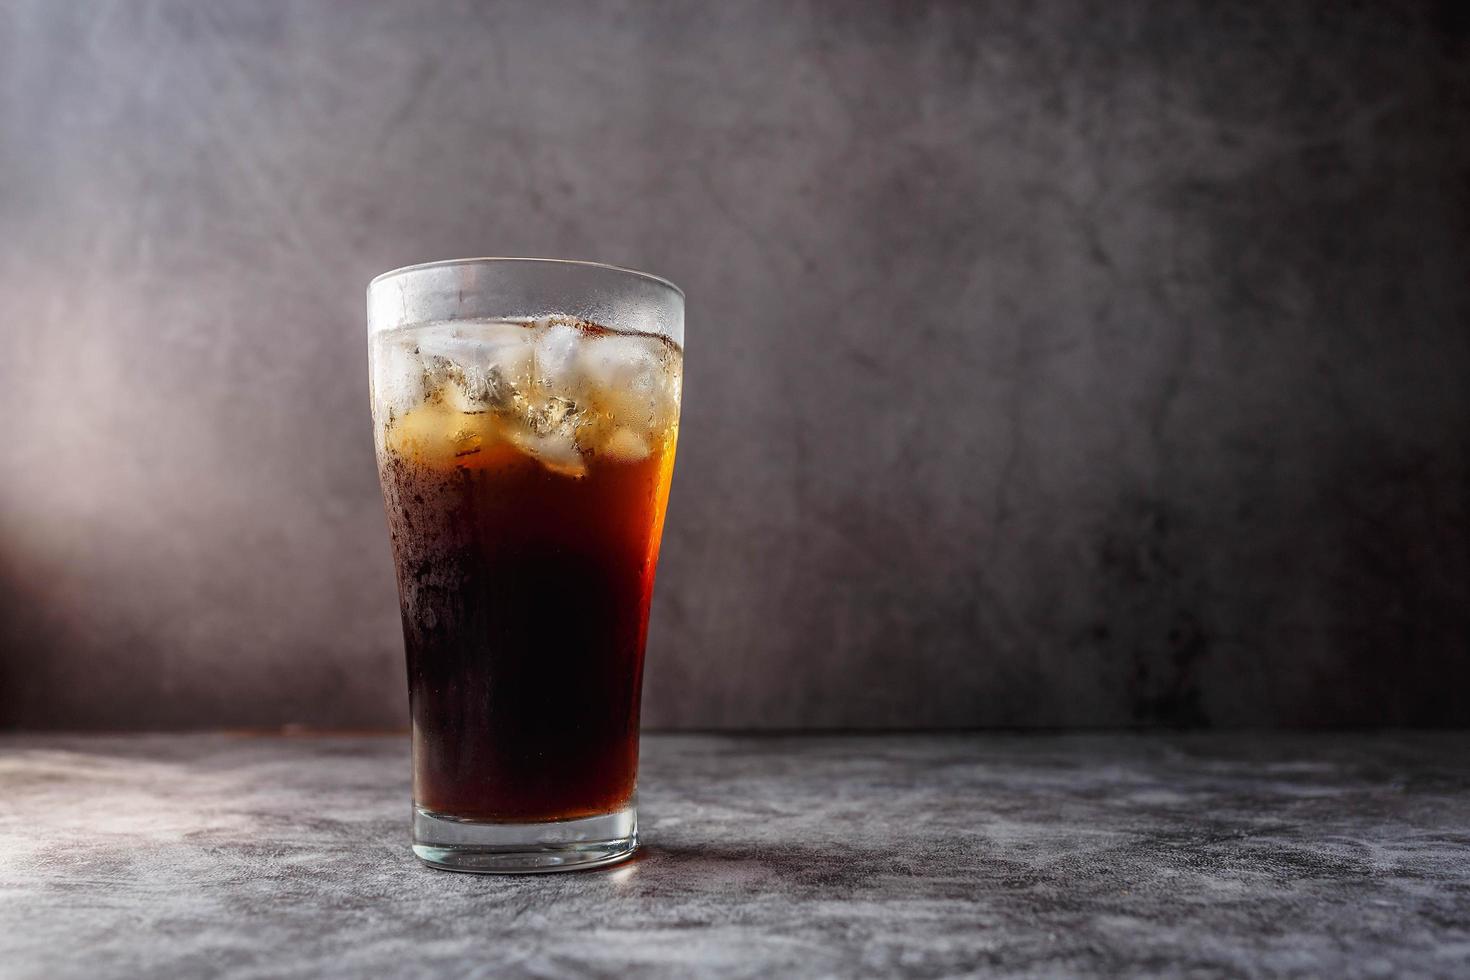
(495, 259)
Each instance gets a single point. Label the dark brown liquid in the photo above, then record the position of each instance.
(525, 597)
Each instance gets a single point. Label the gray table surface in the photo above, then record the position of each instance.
(918, 855)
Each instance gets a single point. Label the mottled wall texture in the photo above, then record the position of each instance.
(1049, 363)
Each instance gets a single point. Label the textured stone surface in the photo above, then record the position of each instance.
(1209, 855)
(1049, 363)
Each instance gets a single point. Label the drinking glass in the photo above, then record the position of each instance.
(525, 414)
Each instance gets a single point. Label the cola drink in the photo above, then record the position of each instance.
(525, 466)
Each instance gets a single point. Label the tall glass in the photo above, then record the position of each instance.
(525, 413)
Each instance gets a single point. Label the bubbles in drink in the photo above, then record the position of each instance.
(567, 393)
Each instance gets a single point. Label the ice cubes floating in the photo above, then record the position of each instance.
(560, 390)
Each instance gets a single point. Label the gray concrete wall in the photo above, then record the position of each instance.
(1049, 364)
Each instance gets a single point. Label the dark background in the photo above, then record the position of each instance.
(1048, 364)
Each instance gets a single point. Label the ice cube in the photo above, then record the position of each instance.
(556, 451)
(397, 379)
(474, 365)
(556, 352)
(556, 415)
(438, 373)
(419, 432)
(468, 342)
(435, 434)
(633, 379)
(511, 357)
(625, 446)
(621, 360)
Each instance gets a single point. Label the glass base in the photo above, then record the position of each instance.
(524, 848)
